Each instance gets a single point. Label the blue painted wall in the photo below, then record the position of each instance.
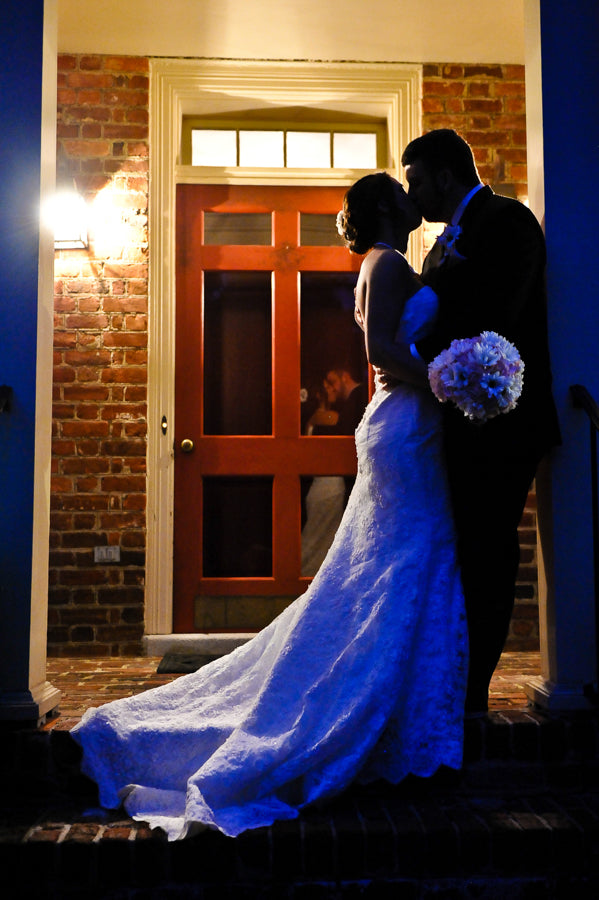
(21, 44)
(570, 79)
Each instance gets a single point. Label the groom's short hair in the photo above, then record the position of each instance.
(443, 148)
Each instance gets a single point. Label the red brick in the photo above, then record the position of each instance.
(452, 71)
(125, 375)
(137, 149)
(478, 89)
(67, 131)
(123, 484)
(90, 131)
(66, 62)
(66, 96)
(443, 88)
(509, 89)
(127, 132)
(454, 105)
(87, 148)
(483, 105)
(490, 71)
(515, 105)
(97, 80)
(91, 62)
(432, 105)
(89, 97)
(139, 116)
(126, 64)
(60, 485)
(85, 429)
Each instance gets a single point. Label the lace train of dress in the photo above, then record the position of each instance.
(362, 677)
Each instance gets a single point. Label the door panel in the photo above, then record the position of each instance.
(237, 304)
(264, 306)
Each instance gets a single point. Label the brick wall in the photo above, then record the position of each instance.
(99, 445)
(100, 376)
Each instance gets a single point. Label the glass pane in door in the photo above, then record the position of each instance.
(319, 230)
(241, 229)
(324, 498)
(237, 353)
(330, 341)
(237, 527)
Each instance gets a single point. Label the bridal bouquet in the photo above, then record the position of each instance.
(481, 375)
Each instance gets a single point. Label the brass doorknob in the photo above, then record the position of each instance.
(187, 445)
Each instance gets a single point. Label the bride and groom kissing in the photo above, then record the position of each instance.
(369, 673)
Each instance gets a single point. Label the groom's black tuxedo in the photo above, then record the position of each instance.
(495, 282)
(499, 286)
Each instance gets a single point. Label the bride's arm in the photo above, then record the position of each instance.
(386, 281)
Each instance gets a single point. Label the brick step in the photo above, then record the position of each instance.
(548, 750)
(526, 749)
(517, 747)
(520, 821)
(388, 843)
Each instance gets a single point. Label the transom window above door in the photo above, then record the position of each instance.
(303, 145)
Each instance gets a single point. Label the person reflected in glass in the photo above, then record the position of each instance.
(349, 396)
(324, 500)
(325, 417)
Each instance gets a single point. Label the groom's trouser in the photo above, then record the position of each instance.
(488, 498)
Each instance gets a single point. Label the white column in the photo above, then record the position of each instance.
(28, 112)
(562, 87)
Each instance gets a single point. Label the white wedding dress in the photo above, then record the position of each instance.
(362, 677)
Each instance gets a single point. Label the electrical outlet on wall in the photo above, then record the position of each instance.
(107, 554)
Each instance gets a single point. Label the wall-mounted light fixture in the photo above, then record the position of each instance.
(70, 224)
(67, 216)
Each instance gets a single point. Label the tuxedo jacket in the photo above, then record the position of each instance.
(496, 282)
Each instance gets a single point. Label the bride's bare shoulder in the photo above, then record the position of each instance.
(387, 266)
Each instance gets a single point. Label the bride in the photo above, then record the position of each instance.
(363, 676)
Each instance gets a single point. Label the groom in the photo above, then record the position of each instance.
(488, 269)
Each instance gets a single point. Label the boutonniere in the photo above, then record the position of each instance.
(448, 239)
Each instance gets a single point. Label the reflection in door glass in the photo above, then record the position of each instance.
(334, 375)
(319, 230)
(323, 500)
(237, 527)
(238, 228)
(237, 353)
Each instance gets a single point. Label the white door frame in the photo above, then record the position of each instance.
(178, 87)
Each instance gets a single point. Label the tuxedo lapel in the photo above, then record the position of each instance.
(437, 257)
(433, 259)
(473, 212)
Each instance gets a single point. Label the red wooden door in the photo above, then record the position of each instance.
(264, 308)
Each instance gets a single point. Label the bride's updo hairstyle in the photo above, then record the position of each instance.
(359, 220)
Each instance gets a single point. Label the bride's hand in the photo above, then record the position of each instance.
(384, 379)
